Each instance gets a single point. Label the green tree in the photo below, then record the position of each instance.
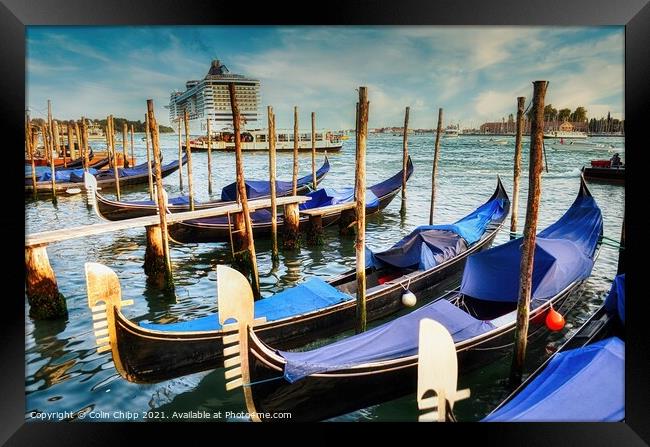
(564, 114)
(550, 113)
(579, 115)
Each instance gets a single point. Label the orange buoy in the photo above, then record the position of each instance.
(554, 320)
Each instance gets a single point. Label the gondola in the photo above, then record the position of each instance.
(93, 163)
(146, 352)
(218, 229)
(256, 189)
(105, 179)
(58, 162)
(584, 381)
(381, 364)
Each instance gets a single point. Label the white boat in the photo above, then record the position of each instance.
(568, 134)
(257, 140)
(451, 132)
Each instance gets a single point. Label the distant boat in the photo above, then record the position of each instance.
(451, 132)
(257, 140)
(568, 134)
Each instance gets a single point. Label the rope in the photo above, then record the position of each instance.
(263, 381)
(408, 284)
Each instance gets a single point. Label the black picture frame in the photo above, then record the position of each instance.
(634, 14)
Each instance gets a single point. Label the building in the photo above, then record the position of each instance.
(210, 98)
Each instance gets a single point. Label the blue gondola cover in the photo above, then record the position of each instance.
(563, 254)
(584, 384)
(395, 339)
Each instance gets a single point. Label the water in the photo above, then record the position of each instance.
(64, 373)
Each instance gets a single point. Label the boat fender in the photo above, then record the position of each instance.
(409, 299)
(554, 320)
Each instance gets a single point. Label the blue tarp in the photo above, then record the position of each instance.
(430, 245)
(259, 188)
(306, 297)
(615, 301)
(67, 175)
(584, 384)
(395, 339)
(180, 200)
(563, 254)
(330, 196)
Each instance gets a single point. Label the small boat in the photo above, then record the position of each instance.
(602, 171)
(381, 364)
(105, 179)
(451, 132)
(584, 381)
(109, 209)
(147, 352)
(568, 134)
(93, 163)
(218, 229)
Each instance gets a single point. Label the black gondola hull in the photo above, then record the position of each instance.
(605, 175)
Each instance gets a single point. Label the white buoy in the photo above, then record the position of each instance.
(409, 299)
(73, 190)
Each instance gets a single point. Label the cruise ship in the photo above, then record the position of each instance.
(209, 98)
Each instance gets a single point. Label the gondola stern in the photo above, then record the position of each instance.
(437, 372)
(103, 286)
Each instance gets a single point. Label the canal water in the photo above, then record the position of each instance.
(65, 374)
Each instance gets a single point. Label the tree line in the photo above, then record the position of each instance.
(609, 124)
(138, 126)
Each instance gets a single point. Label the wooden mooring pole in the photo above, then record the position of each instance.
(84, 143)
(132, 154)
(146, 137)
(116, 173)
(157, 261)
(188, 151)
(360, 198)
(180, 155)
(313, 150)
(405, 156)
(30, 152)
(125, 155)
(78, 139)
(296, 142)
(47, 144)
(436, 153)
(530, 229)
(45, 300)
(275, 257)
(58, 147)
(209, 158)
(73, 150)
(243, 257)
(517, 168)
(621, 250)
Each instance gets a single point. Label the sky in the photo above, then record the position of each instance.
(475, 73)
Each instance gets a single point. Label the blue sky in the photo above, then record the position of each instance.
(473, 73)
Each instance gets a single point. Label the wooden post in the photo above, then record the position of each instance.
(360, 197)
(78, 138)
(146, 137)
(84, 139)
(313, 149)
(435, 166)
(405, 155)
(111, 136)
(125, 155)
(45, 301)
(209, 158)
(58, 147)
(621, 250)
(315, 230)
(30, 153)
(47, 143)
(521, 100)
(241, 188)
(157, 267)
(275, 257)
(291, 231)
(296, 141)
(530, 229)
(73, 150)
(180, 155)
(132, 155)
(188, 151)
